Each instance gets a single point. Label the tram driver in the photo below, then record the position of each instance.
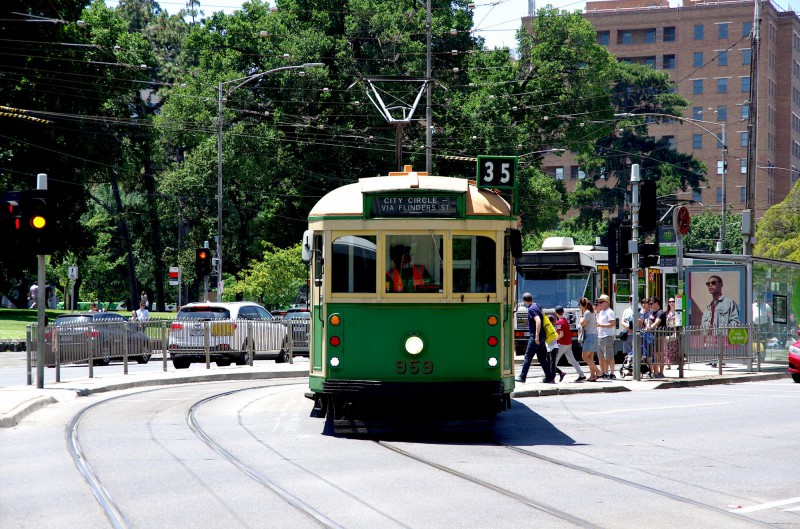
(404, 275)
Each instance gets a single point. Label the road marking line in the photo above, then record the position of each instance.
(792, 509)
(769, 505)
(762, 395)
(658, 408)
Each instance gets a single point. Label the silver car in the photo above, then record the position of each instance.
(301, 327)
(229, 330)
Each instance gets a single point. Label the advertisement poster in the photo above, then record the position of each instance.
(716, 296)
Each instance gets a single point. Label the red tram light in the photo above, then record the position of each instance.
(492, 341)
(335, 341)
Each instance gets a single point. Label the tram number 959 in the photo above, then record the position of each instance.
(413, 367)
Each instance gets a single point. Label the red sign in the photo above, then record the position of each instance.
(683, 220)
(173, 275)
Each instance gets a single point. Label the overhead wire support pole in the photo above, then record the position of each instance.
(633, 249)
(429, 95)
(748, 215)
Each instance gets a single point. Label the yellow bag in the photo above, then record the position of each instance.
(549, 331)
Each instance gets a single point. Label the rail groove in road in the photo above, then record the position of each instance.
(633, 484)
(292, 500)
(552, 511)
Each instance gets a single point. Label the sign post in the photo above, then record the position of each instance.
(680, 222)
(175, 280)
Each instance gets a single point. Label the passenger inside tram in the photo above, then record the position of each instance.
(406, 276)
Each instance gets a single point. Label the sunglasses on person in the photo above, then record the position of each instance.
(672, 301)
(709, 283)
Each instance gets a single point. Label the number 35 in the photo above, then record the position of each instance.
(504, 169)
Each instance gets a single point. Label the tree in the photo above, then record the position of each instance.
(778, 231)
(624, 141)
(704, 232)
(276, 279)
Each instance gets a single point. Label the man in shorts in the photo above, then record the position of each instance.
(606, 328)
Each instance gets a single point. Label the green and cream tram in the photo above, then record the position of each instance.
(412, 296)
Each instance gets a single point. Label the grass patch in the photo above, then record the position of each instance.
(14, 321)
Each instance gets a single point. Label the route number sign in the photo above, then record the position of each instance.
(497, 172)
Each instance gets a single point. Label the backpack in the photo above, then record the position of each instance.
(549, 330)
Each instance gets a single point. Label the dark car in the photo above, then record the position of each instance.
(300, 319)
(103, 334)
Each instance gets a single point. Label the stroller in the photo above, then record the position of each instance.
(627, 368)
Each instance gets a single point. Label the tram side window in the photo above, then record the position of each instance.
(474, 264)
(353, 267)
(414, 263)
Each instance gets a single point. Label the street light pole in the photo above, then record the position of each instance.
(242, 81)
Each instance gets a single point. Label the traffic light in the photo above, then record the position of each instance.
(35, 221)
(619, 259)
(10, 217)
(202, 262)
(648, 210)
(648, 255)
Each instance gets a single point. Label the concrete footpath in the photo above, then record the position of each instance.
(17, 402)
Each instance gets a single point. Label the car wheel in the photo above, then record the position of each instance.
(146, 354)
(282, 357)
(244, 358)
(223, 363)
(180, 363)
(105, 356)
(795, 377)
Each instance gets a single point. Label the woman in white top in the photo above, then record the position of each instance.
(590, 342)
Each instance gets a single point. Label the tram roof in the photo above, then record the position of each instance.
(348, 200)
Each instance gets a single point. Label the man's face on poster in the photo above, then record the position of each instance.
(714, 285)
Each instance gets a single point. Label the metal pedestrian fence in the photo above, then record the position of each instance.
(84, 341)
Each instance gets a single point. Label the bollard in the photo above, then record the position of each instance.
(164, 345)
(206, 344)
(291, 343)
(91, 352)
(28, 348)
(124, 349)
(250, 349)
(56, 352)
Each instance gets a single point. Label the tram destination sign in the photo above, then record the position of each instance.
(438, 206)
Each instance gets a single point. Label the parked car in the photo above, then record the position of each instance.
(300, 319)
(101, 333)
(232, 331)
(794, 360)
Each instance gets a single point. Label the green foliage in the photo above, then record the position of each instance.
(778, 231)
(581, 234)
(275, 279)
(704, 232)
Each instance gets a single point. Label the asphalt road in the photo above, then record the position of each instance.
(711, 457)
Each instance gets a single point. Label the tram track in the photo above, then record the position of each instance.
(539, 506)
(629, 483)
(107, 502)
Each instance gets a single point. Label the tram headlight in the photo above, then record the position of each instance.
(335, 361)
(414, 345)
(492, 362)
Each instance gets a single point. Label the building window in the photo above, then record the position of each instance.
(698, 59)
(573, 171)
(795, 175)
(650, 61)
(697, 86)
(697, 141)
(746, 54)
(742, 195)
(722, 85)
(670, 141)
(722, 113)
(745, 84)
(743, 139)
(650, 35)
(747, 27)
(722, 30)
(604, 38)
(744, 166)
(698, 32)
(722, 58)
(669, 34)
(697, 196)
(627, 37)
(719, 195)
(559, 173)
(719, 167)
(669, 62)
(745, 111)
(697, 112)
